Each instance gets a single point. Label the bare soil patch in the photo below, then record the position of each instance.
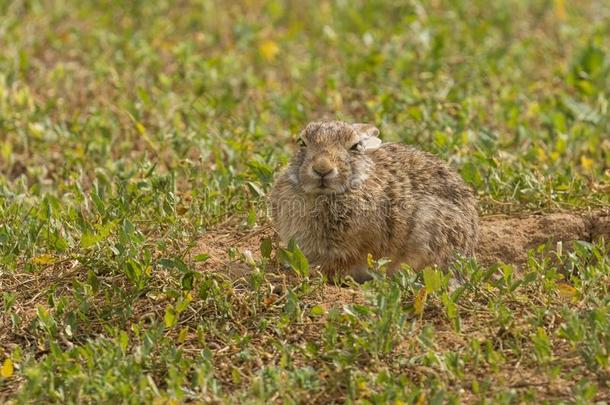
(508, 239)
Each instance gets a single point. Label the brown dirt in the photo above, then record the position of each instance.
(509, 239)
(503, 239)
(216, 244)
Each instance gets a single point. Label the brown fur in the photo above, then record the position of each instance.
(391, 201)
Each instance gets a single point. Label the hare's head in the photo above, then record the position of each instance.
(333, 157)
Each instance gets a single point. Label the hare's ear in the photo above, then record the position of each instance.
(366, 130)
(368, 135)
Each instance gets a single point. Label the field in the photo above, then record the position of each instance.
(138, 141)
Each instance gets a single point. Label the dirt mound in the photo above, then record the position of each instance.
(503, 239)
(509, 239)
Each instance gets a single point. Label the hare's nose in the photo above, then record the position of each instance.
(323, 168)
(323, 172)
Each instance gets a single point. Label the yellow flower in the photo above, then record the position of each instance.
(560, 10)
(268, 49)
(7, 368)
(586, 163)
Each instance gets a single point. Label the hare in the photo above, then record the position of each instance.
(346, 194)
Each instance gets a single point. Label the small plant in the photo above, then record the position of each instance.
(295, 259)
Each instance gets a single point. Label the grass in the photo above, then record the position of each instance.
(128, 130)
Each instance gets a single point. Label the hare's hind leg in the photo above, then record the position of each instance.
(415, 258)
(430, 240)
(440, 230)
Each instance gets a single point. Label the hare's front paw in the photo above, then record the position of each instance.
(336, 271)
(360, 273)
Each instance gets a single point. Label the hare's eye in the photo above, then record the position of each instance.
(356, 147)
(301, 143)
